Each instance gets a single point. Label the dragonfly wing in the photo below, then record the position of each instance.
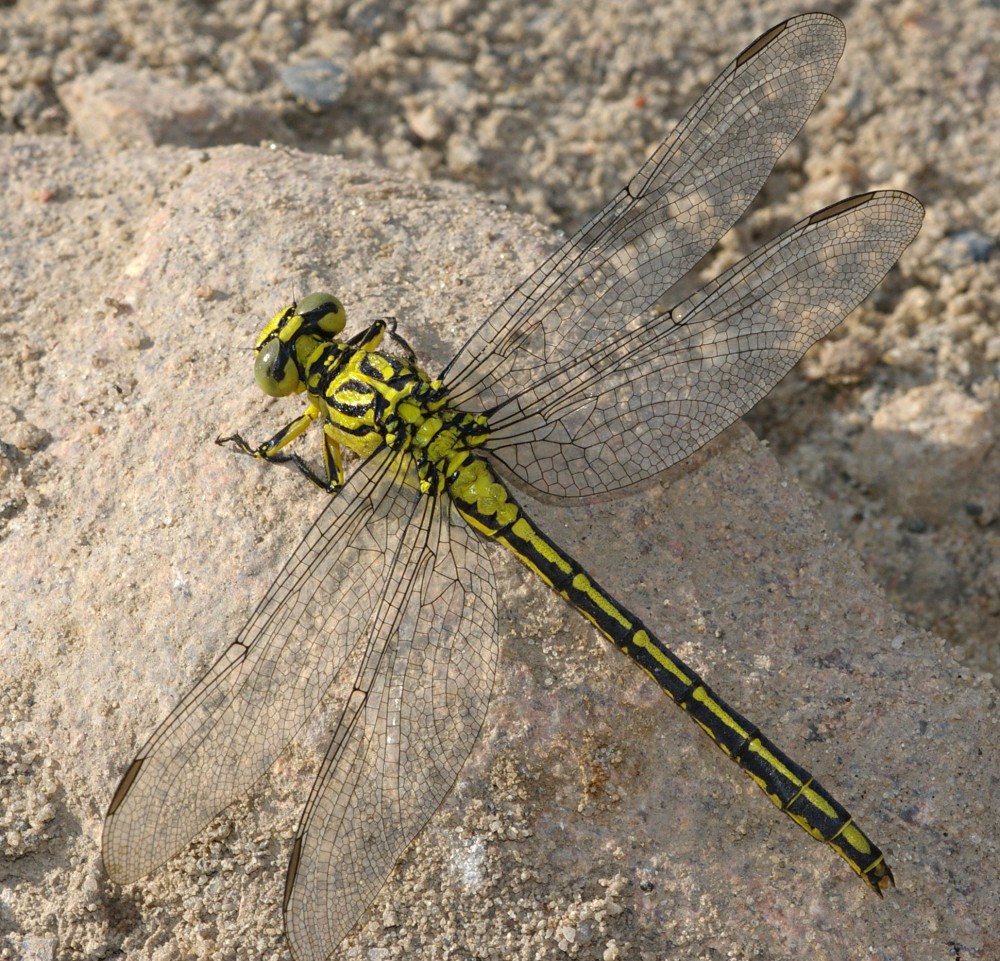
(645, 399)
(687, 195)
(417, 708)
(268, 683)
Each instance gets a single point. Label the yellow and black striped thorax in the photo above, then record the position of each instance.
(364, 397)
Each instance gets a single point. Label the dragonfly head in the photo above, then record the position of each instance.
(290, 339)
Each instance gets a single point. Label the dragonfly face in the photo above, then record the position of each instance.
(287, 343)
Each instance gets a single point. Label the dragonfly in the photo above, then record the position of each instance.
(587, 380)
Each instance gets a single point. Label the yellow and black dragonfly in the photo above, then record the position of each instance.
(579, 384)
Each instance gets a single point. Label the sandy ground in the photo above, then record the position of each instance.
(140, 254)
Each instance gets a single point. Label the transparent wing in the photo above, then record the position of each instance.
(418, 704)
(687, 195)
(270, 681)
(625, 409)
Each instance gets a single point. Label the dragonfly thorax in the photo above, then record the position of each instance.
(360, 392)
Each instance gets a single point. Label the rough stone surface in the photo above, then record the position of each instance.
(592, 821)
(592, 816)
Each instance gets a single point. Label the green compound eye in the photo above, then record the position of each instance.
(324, 310)
(274, 369)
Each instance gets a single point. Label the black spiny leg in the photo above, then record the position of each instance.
(408, 352)
(270, 451)
(371, 338)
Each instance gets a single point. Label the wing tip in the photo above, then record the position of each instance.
(816, 22)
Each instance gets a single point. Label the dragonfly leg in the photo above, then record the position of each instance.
(397, 338)
(271, 451)
(371, 338)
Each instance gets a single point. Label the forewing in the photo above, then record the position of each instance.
(630, 407)
(268, 683)
(419, 702)
(687, 195)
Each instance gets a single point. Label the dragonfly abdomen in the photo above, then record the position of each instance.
(789, 785)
